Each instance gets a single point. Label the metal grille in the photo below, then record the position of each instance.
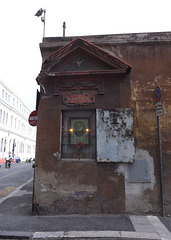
(78, 150)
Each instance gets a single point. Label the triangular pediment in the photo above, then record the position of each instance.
(82, 56)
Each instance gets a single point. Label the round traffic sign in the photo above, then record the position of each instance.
(157, 93)
(33, 118)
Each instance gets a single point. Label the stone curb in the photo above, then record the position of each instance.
(15, 235)
(77, 235)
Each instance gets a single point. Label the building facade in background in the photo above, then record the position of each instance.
(97, 145)
(17, 137)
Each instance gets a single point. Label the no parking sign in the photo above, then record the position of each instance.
(157, 93)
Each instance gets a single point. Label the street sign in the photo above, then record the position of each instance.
(158, 105)
(157, 93)
(33, 118)
(160, 112)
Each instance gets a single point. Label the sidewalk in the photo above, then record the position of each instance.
(17, 222)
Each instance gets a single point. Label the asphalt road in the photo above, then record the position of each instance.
(16, 187)
(13, 177)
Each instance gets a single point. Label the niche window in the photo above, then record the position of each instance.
(78, 135)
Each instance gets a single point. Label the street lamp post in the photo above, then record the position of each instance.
(42, 12)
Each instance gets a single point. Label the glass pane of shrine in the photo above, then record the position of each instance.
(78, 135)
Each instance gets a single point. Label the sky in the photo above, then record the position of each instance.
(21, 31)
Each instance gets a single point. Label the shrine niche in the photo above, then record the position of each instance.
(78, 82)
(97, 139)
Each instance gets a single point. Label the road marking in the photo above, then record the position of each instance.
(12, 173)
(6, 191)
(15, 191)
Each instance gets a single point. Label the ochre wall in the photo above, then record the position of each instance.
(150, 68)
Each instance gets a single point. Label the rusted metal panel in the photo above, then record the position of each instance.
(115, 139)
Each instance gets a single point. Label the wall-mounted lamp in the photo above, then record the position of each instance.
(71, 130)
(87, 130)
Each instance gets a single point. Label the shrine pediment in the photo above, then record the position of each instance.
(82, 57)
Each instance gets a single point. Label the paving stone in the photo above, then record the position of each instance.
(159, 227)
(92, 234)
(140, 235)
(48, 235)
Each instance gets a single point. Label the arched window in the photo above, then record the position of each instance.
(5, 142)
(15, 123)
(0, 115)
(6, 119)
(11, 120)
(3, 119)
(28, 149)
(13, 147)
(21, 148)
(18, 124)
(2, 141)
(33, 147)
(2, 93)
(10, 146)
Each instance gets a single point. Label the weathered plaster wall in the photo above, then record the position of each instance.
(141, 197)
(74, 186)
(150, 58)
(115, 138)
(79, 187)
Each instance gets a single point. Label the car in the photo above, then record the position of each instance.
(18, 160)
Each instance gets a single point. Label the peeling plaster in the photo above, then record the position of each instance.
(115, 139)
(57, 155)
(137, 199)
(56, 187)
(44, 189)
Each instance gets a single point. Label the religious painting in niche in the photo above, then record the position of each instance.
(79, 131)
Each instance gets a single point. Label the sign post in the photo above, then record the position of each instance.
(33, 118)
(160, 112)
